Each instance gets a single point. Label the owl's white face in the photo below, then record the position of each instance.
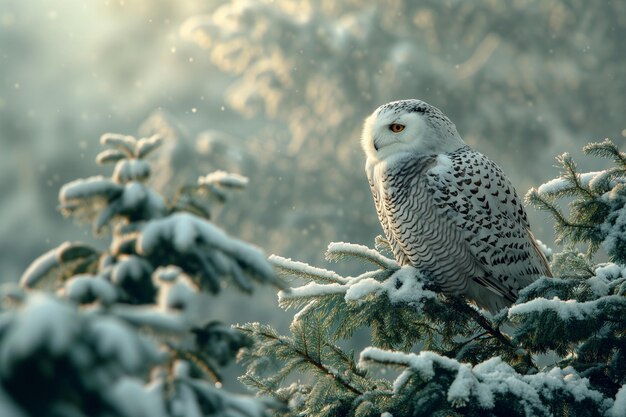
(408, 126)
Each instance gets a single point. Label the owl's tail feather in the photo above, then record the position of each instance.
(542, 257)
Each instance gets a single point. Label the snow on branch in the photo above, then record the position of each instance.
(191, 235)
(97, 187)
(562, 184)
(224, 179)
(619, 406)
(131, 170)
(109, 156)
(145, 146)
(486, 383)
(64, 260)
(339, 250)
(568, 309)
(124, 143)
(286, 266)
(405, 285)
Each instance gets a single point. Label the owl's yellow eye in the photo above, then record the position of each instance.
(396, 127)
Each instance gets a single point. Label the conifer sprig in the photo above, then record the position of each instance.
(116, 331)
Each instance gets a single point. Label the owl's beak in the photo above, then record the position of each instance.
(375, 146)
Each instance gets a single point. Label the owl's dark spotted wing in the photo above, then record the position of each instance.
(473, 192)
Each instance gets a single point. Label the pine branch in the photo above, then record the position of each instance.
(339, 250)
(461, 345)
(573, 176)
(304, 354)
(203, 365)
(606, 149)
(460, 305)
(288, 267)
(533, 197)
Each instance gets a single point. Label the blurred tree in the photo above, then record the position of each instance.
(123, 331)
(516, 76)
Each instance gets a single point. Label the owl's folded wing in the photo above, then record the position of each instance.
(473, 192)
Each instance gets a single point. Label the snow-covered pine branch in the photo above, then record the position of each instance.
(122, 330)
(493, 386)
(339, 250)
(287, 267)
(404, 285)
(596, 216)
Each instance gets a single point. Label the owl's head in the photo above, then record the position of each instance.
(408, 126)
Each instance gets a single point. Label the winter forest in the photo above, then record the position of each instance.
(187, 228)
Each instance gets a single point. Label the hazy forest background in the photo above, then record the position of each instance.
(277, 91)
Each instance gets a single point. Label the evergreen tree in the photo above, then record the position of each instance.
(437, 355)
(120, 331)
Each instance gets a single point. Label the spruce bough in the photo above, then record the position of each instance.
(121, 331)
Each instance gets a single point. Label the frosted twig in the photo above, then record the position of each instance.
(339, 250)
(287, 266)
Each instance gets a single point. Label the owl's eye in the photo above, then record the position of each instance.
(396, 127)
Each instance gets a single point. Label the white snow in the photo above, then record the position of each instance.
(464, 385)
(337, 250)
(38, 270)
(117, 340)
(166, 274)
(565, 379)
(421, 363)
(133, 399)
(609, 271)
(224, 179)
(362, 288)
(557, 185)
(131, 170)
(587, 177)
(312, 289)
(123, 142)
(310, 306)
(134, 194)
(547, 252)
(185, 403)
(130, 267)
(403, 286)
(566, 309)
(553, 186)
(150, 317)
(180, 294)
(482, 382)
(43, 322)
(186, 231)
(79, 286)
(619, 406)
(614, 232)
(604, 274)
(601, 178)
(147, 145)
(92, 187)
(110, 155)
(305, 270)
(412, 288)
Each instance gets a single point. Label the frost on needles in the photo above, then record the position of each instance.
(437, 355)
(118, 331)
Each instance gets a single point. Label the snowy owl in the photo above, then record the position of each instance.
(446, 209)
